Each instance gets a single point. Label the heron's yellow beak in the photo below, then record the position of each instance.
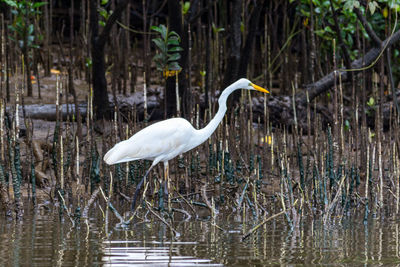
(259, 88)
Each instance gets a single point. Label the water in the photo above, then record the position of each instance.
(42, 240)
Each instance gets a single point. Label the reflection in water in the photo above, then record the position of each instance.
(128, 253)
(42, 240)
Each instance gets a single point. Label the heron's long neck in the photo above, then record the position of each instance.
(207, 131)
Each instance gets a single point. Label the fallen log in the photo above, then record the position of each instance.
(48, 111)
(325, 83)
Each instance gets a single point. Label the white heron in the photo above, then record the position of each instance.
(164, 140)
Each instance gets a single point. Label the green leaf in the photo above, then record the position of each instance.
(350, 4)
(159, 57)
(372, 6)
(346, 125)
(155, 28)
(160, 44)
(315, 2)
(371, 135)
(104, 2)
(175, 49)
(371, 102)
(31, 38)
(393, 4)
(164, 31)
(173, 41)
(174, 66)
(350, 40)
(174, 57)
(30, 29)
(328, 29)
(40, 37)
(173, 34)
(160, 29)
(159, 64)
(12, 28)
(103, 13)
(11, 3)
(305, 13)
(88, 62)
(320, 33)
(186, 7)
(39, 4)
(216, 29)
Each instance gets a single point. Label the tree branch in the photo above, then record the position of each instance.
(111, 21)
(339, 35)
(328, 80)
(370, 31)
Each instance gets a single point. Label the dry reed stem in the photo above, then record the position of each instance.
(205, 199)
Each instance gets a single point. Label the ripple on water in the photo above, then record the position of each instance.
(155, 253)
(44, 240)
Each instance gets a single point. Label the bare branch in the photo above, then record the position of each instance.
(357, 65)
(370, 31)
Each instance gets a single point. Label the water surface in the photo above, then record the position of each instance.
(42, 239)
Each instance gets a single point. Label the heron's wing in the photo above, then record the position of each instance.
(160, 141)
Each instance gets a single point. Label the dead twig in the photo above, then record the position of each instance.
(265, 221)
(177, 234)
(114, 210)
(183, 212)
(66, 209)
(90, 202)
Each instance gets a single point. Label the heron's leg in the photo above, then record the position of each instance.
(166, 179)
(167, 184)
(139, 185)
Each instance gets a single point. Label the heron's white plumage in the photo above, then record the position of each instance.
(160, 141)
(167, 139)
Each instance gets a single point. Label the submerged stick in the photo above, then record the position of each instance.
(90, 202)
(66, 209)
(177, 234)
(205, 198)
(112, 208)
(334, 201)
(265, 221)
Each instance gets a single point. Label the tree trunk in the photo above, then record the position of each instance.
(247, 50)
(234, 44)
(100, 96)
(25, 52)
(175, 24)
